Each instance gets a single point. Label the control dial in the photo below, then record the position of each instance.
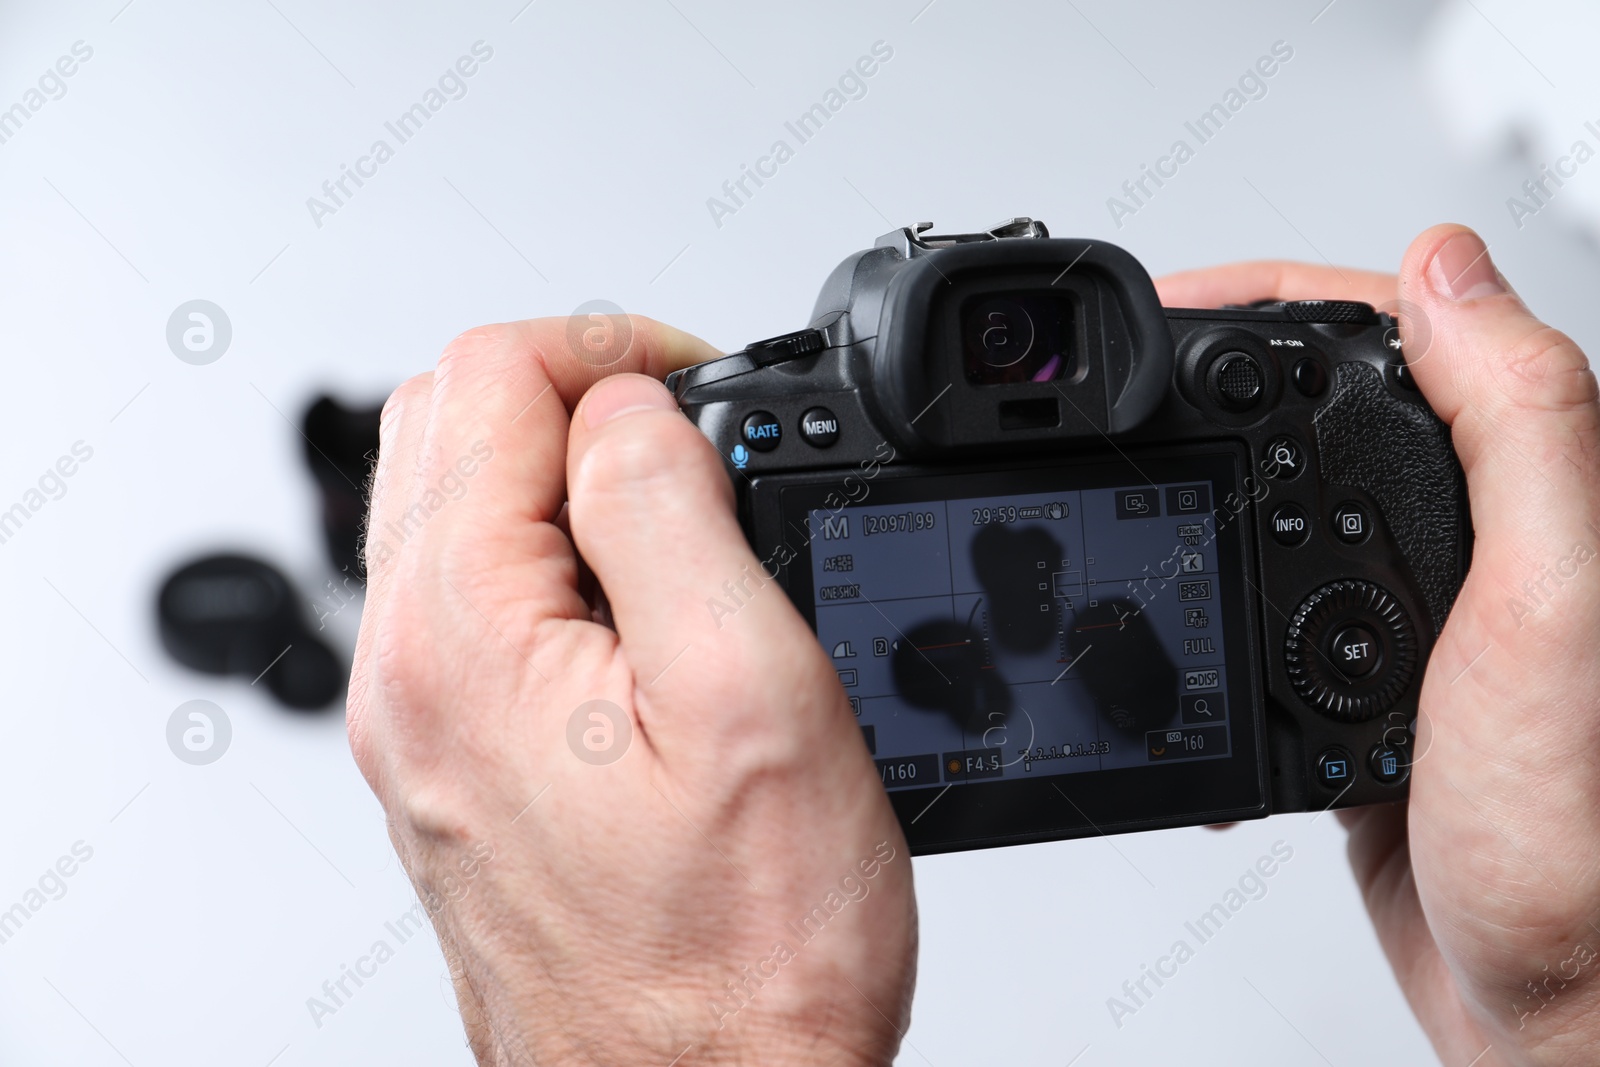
(1351, 650)
(786, 346)
(1339, 311)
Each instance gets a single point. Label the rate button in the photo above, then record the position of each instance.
(761, 431)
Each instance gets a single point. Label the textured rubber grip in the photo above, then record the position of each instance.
(1399, 453)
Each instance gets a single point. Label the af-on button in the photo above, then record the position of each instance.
(1309, 377)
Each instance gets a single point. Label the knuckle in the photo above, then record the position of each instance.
(398, 670)
(470, 344)
(398, 688)
(412, 395)
(471, 350)
(376, 555)
(1545, 371)
(402, 726)
(358, 730)
(409, 394)
(383, 684)
(435, 813)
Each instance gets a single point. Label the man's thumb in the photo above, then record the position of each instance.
(1499, 376)
(1520, 400)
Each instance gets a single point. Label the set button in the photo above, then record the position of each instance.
(1350, 650)
(1354, 650)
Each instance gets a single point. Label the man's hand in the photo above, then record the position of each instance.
(646, 830)
(1487, 903)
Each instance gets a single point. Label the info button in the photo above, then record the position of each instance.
(1290, 526)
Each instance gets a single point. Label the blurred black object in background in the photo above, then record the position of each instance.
(230, 614)
(236, 614)
(341, 447)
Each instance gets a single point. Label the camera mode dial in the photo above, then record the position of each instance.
(1351, 650)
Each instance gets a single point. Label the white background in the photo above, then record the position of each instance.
(178, 164)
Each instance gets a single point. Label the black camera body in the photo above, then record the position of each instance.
(1086, 565)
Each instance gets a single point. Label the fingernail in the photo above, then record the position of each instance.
(1462, 269)
(622, 396)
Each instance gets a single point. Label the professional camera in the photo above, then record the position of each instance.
(1086, 565)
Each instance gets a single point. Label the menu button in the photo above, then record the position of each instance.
(819, 427)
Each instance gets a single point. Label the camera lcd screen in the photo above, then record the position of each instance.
(1075, 622)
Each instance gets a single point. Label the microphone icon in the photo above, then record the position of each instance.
(740, 456)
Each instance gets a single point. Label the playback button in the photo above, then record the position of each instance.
(1335, 768)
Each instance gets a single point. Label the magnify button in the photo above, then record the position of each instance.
(1201, 708)
(1284, 458)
